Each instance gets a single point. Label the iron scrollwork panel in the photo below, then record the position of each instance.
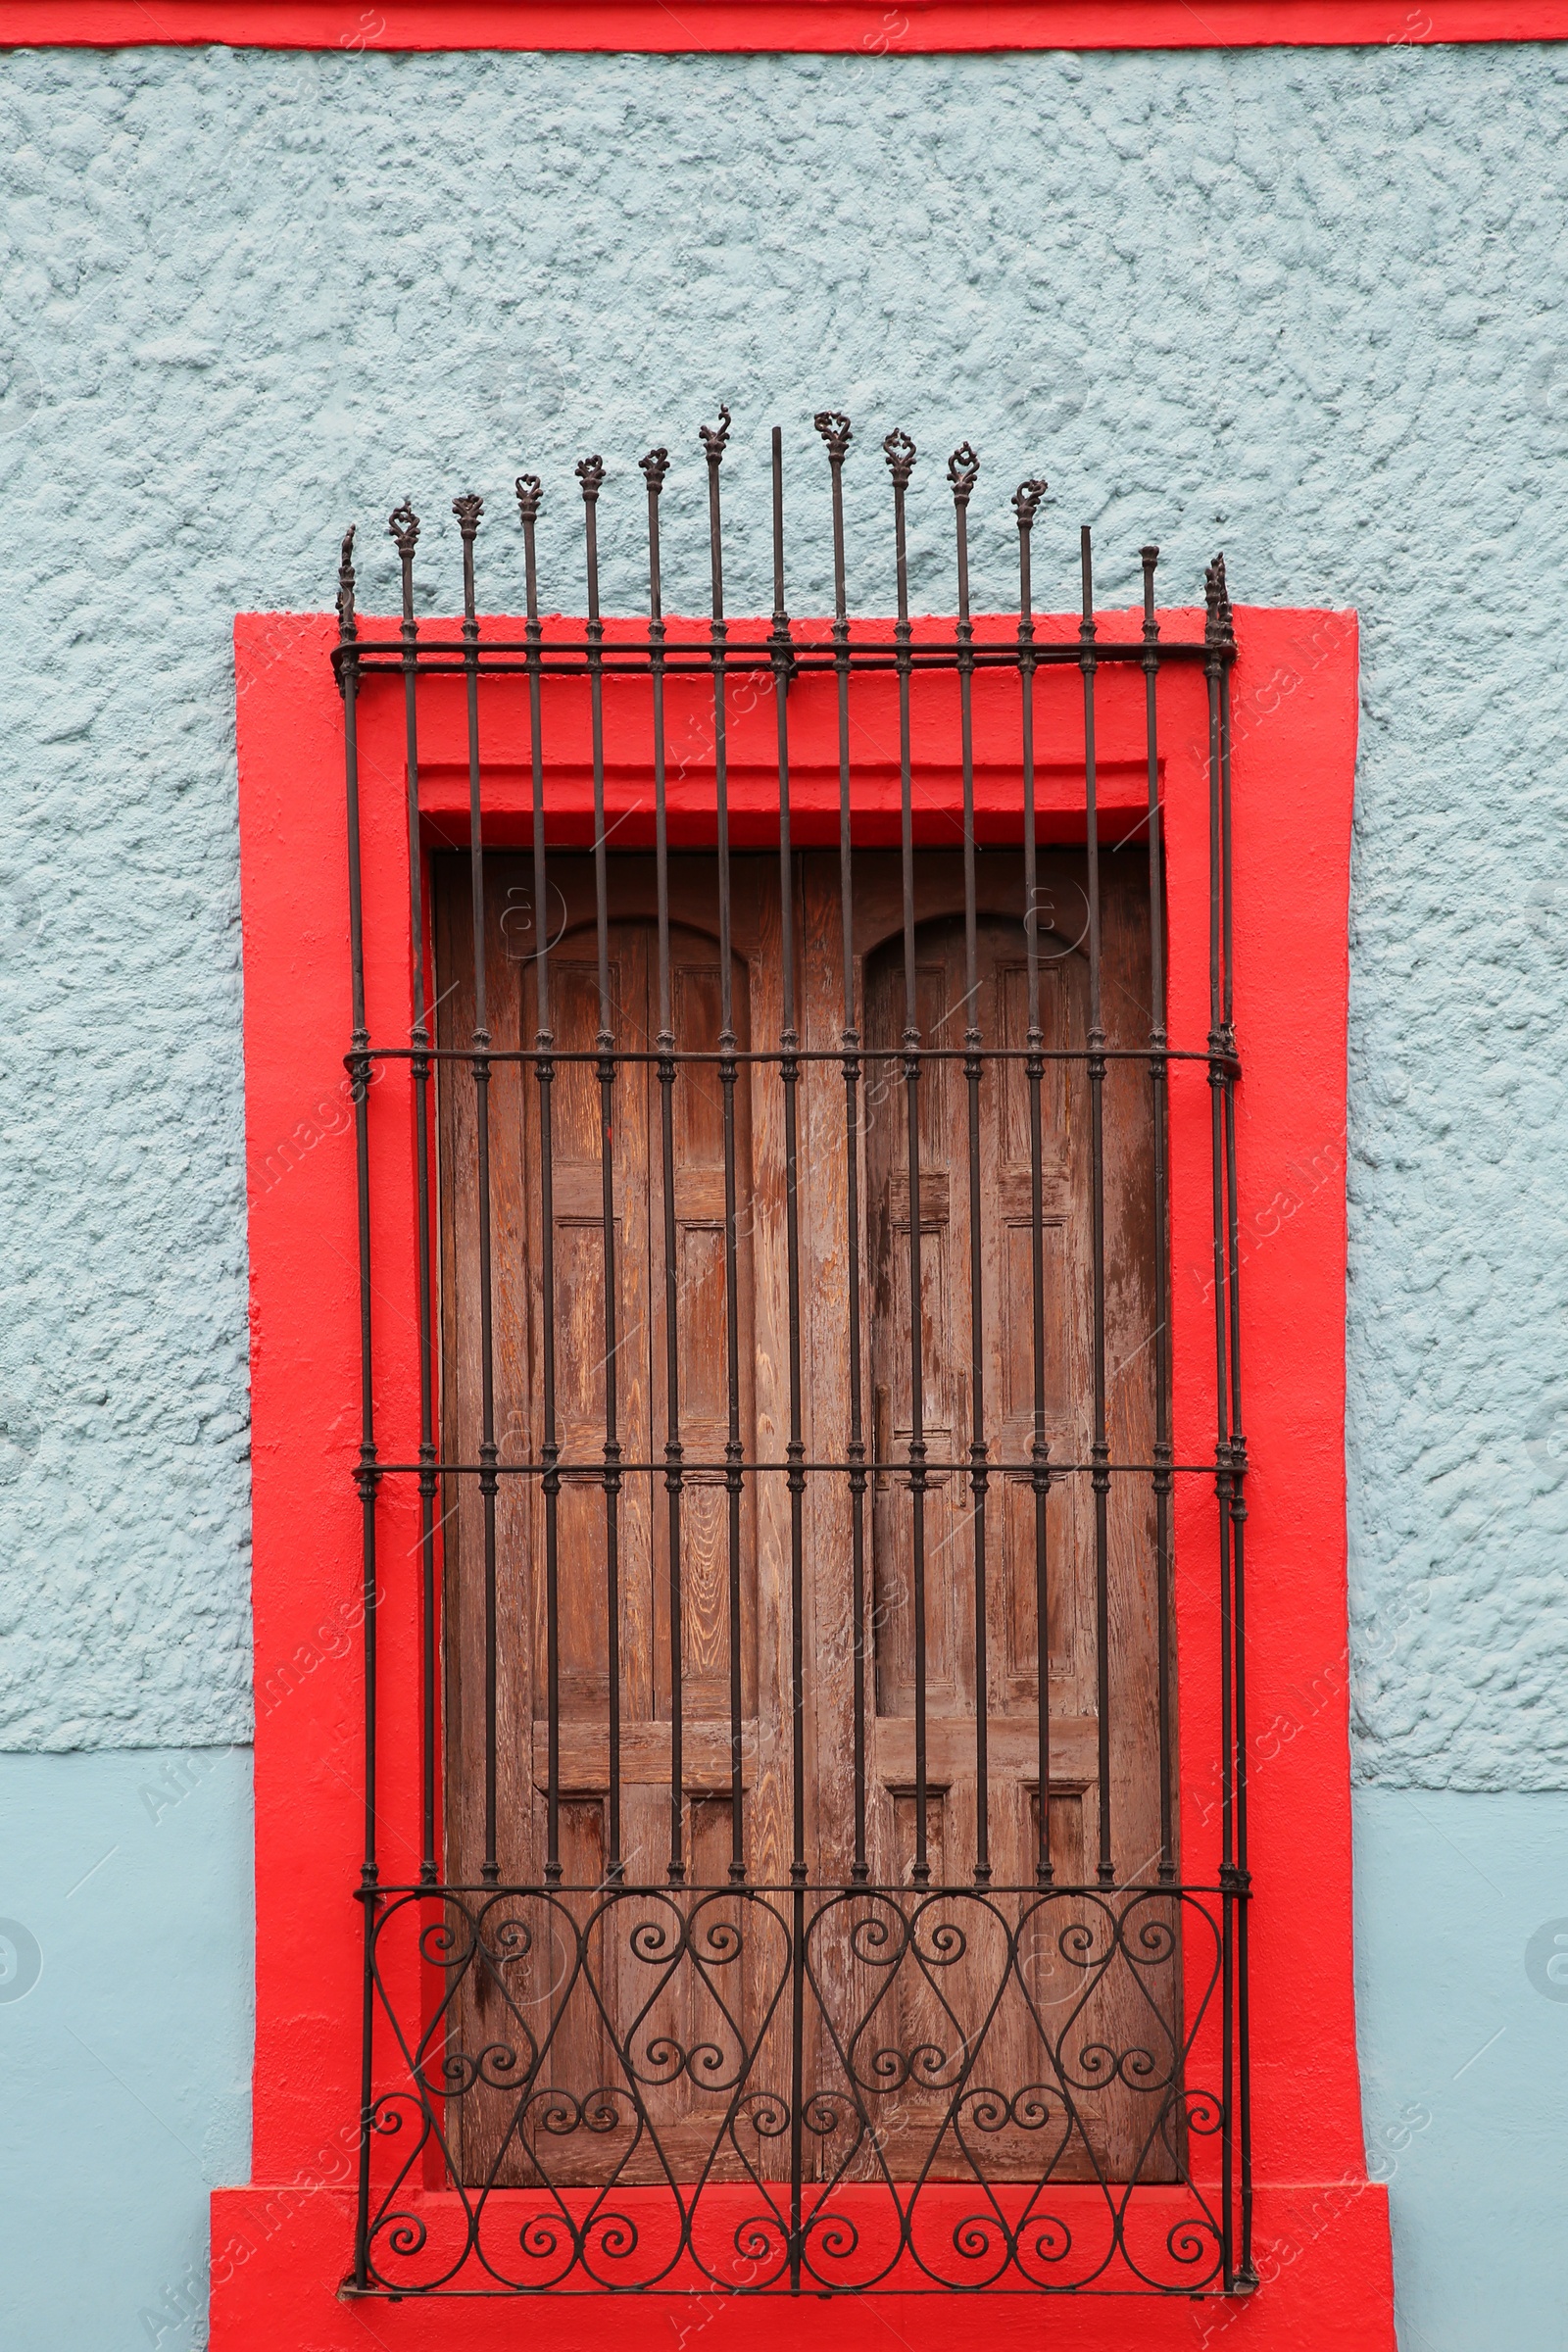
(957, 2098)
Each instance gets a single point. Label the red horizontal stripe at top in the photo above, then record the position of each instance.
(854, 26)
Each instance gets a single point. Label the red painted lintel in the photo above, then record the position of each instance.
(865, 26)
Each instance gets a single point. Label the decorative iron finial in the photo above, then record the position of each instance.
(899, 450)
(403, 524)
(713, 440)
(468, 509)
(1217, 627)
(834, 428)
(590, 472)
(656, 466)
(1149, 556)
(963, 472)
(530, 491)
(345, 586)
(1026, 498)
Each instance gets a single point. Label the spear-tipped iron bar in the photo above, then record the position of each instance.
(713, 439)
(795, 1449)
(1104, 1869)
(654, 465)
(899, 452)
(836, 433)
(963, 469)
(1025, 501)
(470, 510)
(404, 529)
(1214, 675)
(528, 502)
(1163, 1484)
(1240, 1876)
(591, 475)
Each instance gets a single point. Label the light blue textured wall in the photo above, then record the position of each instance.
(1304, 304)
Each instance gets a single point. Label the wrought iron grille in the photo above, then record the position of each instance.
(829, 2037)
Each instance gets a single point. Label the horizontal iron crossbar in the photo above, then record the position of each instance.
(862, 1466)
(648, 657)
(1225, 1064)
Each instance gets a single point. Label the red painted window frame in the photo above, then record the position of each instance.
(281, 2246)
(869, 28)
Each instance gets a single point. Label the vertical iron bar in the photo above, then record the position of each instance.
(899, 452)
(468, 510)
(366, 1475)
(963, 467)
(1245, 2274)
(1215, 630)
(1100, 1452)
(1025, 501)
(834, 428)
(403, 528)
(713, 439)
(782, 661)
(530, 494)
(1158, 1072)
(590, 473)
(655, 466)
(782, 658)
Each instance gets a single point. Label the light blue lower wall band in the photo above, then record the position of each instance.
(1462, 2014)
(124, 2039)
(127, 2057)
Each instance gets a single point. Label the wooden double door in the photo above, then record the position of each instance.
(597, 1983)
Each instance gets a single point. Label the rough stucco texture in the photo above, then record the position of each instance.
(1307, 305)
